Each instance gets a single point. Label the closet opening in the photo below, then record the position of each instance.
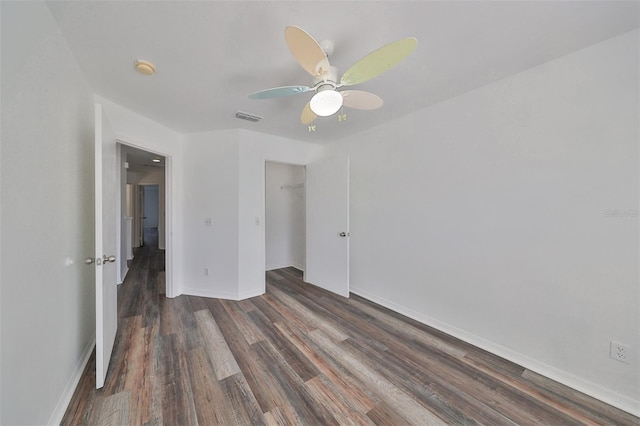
(285, 199)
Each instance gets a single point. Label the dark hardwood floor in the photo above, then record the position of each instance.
(300, 355)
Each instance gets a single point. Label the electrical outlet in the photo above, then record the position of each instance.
(619, 352)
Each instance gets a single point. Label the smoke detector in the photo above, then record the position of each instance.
(145, 67)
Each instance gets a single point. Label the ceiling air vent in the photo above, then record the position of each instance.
(249, 117)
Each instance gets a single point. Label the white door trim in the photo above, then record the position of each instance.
(170, 289)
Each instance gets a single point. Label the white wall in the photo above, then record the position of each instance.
(255, 150)
(211, 191)
(225, 182)
(488, 213)
(284, 216)
(298, 254)
(47, 307)
(123, 241)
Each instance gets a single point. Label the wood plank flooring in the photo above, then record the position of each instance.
(300, 355)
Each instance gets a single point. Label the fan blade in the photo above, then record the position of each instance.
(379, 61)
(307, 52)
(357, 99)
(279, 92)
(307, 115)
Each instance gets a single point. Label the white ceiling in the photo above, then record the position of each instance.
(211, 55)
(142, 161)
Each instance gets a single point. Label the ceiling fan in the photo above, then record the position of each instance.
(327, 100)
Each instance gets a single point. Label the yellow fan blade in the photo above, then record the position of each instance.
(307, 52)
(357, 99)
(379, 61)
(307, 115)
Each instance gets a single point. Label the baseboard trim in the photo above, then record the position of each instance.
(299, 268)
(213, 294)
(596, 391)
(67, 394)
(217, 294)
(124, 274)
(273, 268)
(251, 293)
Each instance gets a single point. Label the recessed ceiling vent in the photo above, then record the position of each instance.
(249, 117)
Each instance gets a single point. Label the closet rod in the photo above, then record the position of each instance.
(298, 185)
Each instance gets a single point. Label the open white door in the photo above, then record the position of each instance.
(327, 234)
(105, 229)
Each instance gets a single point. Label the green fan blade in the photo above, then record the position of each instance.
(279, 92)
(379, 61)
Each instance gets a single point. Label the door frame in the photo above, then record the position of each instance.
(266, 160)
(168, 218)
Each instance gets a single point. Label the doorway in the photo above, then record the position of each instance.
(284, 216)
(143, 205)
(150, 203)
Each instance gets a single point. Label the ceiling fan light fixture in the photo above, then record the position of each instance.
(314, 58)
(326, 103)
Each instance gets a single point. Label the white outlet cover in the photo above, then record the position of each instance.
(620, 352)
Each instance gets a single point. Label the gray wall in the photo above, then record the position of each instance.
(490, 216)
(47, 308)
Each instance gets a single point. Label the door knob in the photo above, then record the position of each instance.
(106, 259)
(343, 234)
(89, 260)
